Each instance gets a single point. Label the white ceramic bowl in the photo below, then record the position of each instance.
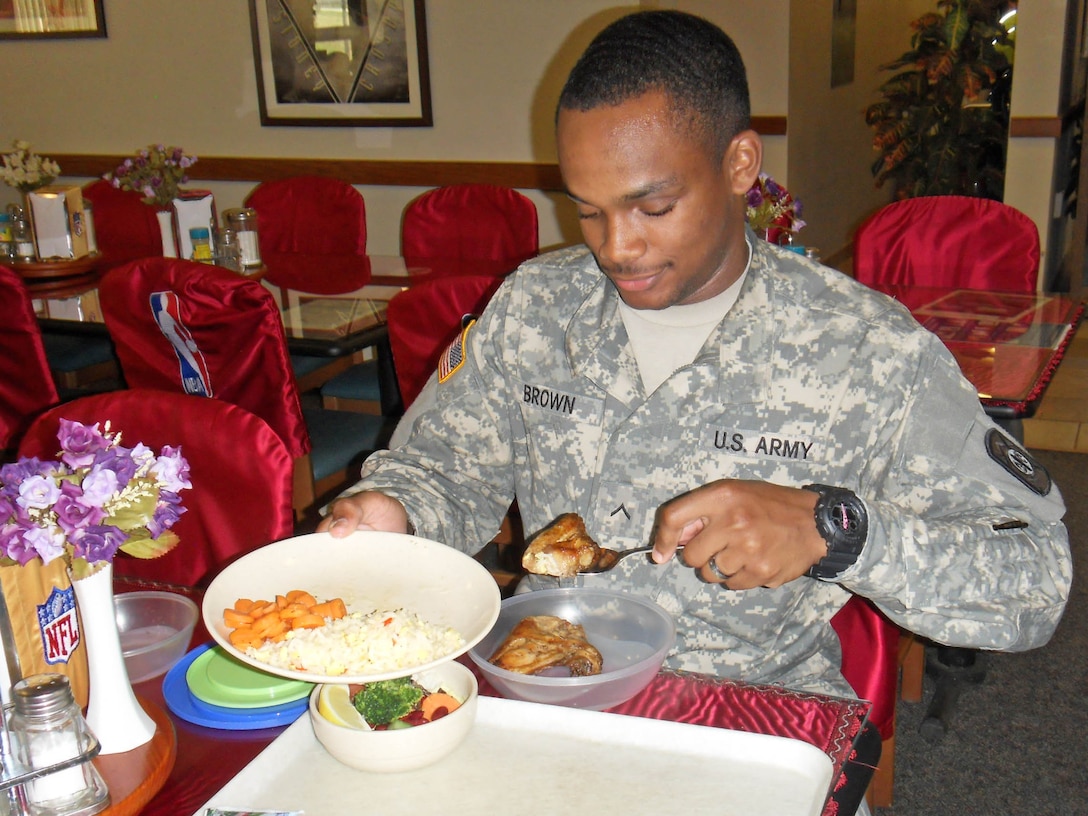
(408, 748)
(369, 571)
(155, 630)
(632, 634)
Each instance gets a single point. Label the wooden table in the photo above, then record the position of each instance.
(59, 277)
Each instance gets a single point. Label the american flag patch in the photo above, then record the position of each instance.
(454, 356)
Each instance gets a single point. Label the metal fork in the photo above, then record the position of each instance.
(609, 558)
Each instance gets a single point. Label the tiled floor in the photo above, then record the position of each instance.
(1061, 421)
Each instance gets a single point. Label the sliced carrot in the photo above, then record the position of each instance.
(262, 608)
(430, 704)
(245, 637)
(334, 609)
(243, 605)
(308, 621)
(293, 610)
(301, 596)
(234, 619)
(281, 601)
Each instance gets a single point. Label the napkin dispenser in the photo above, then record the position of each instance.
(58, 222)
(193, 208)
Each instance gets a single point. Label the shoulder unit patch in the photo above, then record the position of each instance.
(1017, 462)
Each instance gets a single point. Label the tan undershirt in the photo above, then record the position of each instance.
(665, 340)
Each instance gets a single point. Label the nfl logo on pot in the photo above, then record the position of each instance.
(59, 626)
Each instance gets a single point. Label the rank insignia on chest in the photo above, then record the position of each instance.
(454, 356)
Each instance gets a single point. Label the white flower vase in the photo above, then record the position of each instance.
(166, 229)
(114, 714)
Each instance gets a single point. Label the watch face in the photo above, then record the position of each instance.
(846, 517)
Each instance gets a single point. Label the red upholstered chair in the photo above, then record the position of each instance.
(240, 470)
(312, 233)
(948, 241)
(423, 320)
(26, 384)
(872, 655)
(310, 228)
(205, 330)
(470, 222)
(460, 230)
(125, 228)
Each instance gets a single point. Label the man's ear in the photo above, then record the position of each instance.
(743, 159)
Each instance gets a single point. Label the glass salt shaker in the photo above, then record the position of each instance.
(47, 728)
(243, 221)
(22, 236)
(228, 252)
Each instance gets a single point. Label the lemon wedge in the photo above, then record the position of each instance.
(334, 704)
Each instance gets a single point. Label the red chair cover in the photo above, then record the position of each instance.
(870, 659)
(125, 227)
(306, 217)
(201, 329)
(470, 221)
(239, 469)
(26, 384)
(948, 241)
(425, 318)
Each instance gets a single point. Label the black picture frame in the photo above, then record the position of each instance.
(52, 21)
(363, 64)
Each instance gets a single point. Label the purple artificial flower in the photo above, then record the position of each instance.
(38, 493)
(97, 543)
(8, 508)
(167, 512)
(13, 544)
(754, 197)
(14, 474)
(99, 486)
(79, 443)
(172, 470)
(47, 542)
(119, 460)
(72, 513)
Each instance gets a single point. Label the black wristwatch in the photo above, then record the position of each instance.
(842, 520)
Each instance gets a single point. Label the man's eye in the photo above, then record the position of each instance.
(663, 211)
(585, 216)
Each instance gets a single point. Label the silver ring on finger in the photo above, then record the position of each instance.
(714, 568)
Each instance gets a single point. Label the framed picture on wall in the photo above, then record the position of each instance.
(24, 19)
(341, 62)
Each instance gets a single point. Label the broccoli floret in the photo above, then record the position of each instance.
(384, 701)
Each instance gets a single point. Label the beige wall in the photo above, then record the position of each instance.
(182, 73)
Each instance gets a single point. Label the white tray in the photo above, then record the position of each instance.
(527, 758)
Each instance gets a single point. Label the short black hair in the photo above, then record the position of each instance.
(689, 59)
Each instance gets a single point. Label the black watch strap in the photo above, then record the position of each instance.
(843, 522)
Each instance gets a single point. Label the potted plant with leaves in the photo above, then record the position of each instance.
(941, 125)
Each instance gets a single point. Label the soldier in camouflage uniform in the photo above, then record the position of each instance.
(800, 376)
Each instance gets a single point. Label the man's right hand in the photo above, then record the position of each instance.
(369, 510)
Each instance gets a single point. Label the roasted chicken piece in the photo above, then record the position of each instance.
(562, 549)
(540, 642)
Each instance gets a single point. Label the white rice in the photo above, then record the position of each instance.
(358, 644)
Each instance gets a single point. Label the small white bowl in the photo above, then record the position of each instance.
(404, 749)
(155, 630)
